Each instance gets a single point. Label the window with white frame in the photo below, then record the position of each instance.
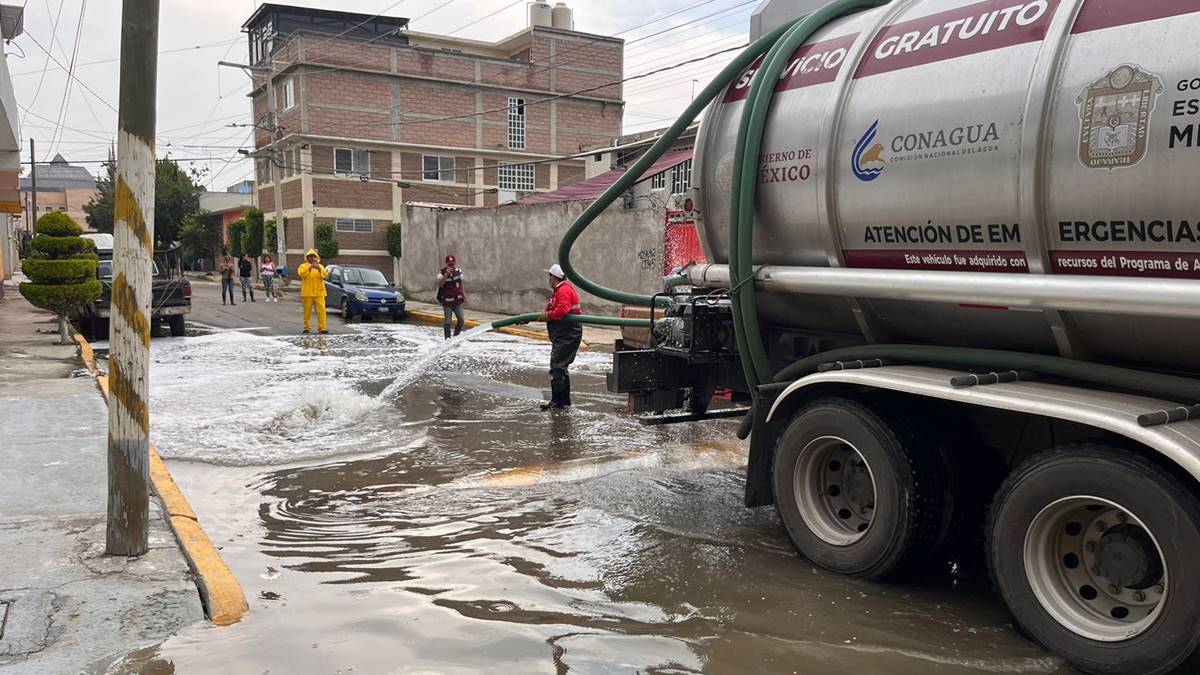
(658, 181)
(289, 93)
(361, 225)
(347, 161)
(434, 167)
(681, 177)
(515, 177)
(516, 123)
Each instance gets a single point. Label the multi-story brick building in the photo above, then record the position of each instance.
(374, 116)
(61, 186)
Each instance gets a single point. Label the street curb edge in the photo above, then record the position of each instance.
(222, 595)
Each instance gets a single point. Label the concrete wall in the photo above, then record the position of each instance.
(504, 251)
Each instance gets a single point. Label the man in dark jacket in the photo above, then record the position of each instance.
(452, 295)
(245, 269)
(564, 336)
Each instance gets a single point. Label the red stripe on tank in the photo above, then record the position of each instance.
(1101, 14)
(962, 31)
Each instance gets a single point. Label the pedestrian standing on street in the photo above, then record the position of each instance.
(312, 289)
(226, 269)
(452, 295)
(245, 269)
(564, 336)
(267, 272)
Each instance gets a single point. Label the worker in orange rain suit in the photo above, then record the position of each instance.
(312, 289)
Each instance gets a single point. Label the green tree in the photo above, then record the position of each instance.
(237, 231)
(61, 268)
(270, 237)
(253, 235)
(199, 236)
(176, 197)
(395, 240)
(326, 244)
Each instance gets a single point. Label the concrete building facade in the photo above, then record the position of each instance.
(12, 22)
(375, 116)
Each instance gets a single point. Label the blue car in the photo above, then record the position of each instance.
(362, 291)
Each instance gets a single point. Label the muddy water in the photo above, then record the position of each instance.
(458, 529)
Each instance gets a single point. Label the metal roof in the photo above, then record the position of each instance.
(59, 174)
(355, 17)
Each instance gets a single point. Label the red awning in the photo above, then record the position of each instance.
(594, 187)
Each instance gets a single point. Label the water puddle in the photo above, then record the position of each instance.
(392, 502)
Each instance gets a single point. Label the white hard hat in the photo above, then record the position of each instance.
(556, 271)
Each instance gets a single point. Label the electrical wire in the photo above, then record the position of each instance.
(62, 111)
(70, 73)
(46, 65)
(486, 16)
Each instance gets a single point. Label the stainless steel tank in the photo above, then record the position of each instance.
(1030, 137)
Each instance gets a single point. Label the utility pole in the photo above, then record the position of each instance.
(273, 127)
(32, 187)
(133, 252)
(276, 169)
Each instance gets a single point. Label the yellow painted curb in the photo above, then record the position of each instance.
(438, 320)
(223, 597)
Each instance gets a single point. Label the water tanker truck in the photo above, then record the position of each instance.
(955, 273)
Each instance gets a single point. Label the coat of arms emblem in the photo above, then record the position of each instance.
(1115, 113)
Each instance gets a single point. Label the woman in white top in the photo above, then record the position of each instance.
(268, 277)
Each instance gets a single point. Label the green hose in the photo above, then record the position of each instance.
(574, 318)
(731, 71)
(748, 152)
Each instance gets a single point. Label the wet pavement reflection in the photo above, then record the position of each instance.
(457, 528)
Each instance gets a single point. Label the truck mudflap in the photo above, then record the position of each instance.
(1112, 412)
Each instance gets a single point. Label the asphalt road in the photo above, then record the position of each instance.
(264, 318)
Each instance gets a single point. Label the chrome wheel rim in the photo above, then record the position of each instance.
(835, 490)
(1096, 568)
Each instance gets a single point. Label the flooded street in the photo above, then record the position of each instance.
(456, 528)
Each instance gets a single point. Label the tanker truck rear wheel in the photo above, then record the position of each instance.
(859, 493)
(1094, 550)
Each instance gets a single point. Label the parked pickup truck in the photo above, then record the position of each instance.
(172, 296)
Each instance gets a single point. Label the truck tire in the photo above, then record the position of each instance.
(178, 325)
(860, 493)
(1094, 550)
(100, 328)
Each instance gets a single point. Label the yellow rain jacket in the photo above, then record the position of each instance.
(312, 278)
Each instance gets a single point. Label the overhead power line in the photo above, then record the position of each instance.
(70, 74)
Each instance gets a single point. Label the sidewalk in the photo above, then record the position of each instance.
(64, 605)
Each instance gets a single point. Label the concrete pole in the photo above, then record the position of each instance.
(133, 251)
(276, 170)
(32, 187)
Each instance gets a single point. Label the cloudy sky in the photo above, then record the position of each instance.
(198, 101)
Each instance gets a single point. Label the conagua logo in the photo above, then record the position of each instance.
(1115, 117)
(867, 161)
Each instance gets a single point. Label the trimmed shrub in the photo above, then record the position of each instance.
(58, 224)
(237, 230)
(61, 300)
(395, 240)
(72, 271)
(62, 269)
(326, 244)
(60, 247)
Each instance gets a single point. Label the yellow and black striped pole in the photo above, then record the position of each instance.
(133, 255)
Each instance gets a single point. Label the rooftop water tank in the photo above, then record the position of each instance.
(563, 17)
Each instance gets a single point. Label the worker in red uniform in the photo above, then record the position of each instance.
(564, 337)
